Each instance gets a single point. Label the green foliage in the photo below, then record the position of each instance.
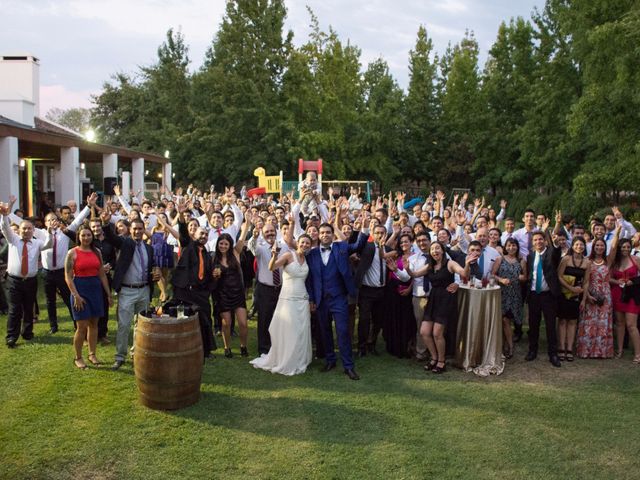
(77, 119)
(553, 112)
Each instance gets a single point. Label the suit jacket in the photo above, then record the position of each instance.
(550, 261)
(185, 274)
(127, 247)
(340, 252)
(366, 257)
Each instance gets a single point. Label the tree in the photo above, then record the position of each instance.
(239, 120)
(422, 112)
(460, 114)
(508, 76)
(77, 119)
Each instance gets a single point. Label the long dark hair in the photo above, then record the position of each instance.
(232, 261)
(515, 242)
(92, 245)
(443, 260)
(399, 248)
(573, 242)
(593, 249)
(618, 260)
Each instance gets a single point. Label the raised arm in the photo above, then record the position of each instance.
(243, 235)
(281, 261)
(614, 246)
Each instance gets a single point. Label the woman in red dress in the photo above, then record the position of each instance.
(625, 295)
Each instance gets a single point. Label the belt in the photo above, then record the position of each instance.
(142, 285)
(21, 279)
(53, 271)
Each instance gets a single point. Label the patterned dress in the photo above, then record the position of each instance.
(595, 330)
(512, 293)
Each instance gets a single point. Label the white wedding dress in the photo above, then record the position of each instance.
(290, 329)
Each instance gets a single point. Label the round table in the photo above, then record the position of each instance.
(479, 334)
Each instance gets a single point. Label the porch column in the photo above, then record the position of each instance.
(109, 165)
(9, 166)
(137, 175)
(167, 180)
(69, 174)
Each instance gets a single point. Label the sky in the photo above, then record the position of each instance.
(82, 43)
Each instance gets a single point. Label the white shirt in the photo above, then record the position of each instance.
(523, 239)
(34, 247)
(534, 277)
(325, 253)
(372, 275)
(417, 262)
(262, 251)
(489, 257)
(60, 240)
(505, 236)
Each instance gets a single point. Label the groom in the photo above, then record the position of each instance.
(329, 284)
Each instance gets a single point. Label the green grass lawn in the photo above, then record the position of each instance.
(534, 421)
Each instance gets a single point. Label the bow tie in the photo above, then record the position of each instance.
(325, 249)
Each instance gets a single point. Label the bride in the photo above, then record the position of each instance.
(290, 330)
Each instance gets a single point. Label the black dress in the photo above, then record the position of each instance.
(569, 308)
(442, 305)
(400, 323)
(230, 289)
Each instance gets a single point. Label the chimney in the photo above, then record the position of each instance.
(20, 88)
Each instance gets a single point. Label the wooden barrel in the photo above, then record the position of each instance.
(168, 361)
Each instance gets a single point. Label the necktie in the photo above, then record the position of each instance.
(276, 277)
(607, 237)
(143, 269)
(218, 230)
(426, 278)
(539, 273)
(200, 264)
(55, 250)
(381, 268)
(481, 265)
(25, 260)
(529, 241)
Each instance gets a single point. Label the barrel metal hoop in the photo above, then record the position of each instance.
(190, 333)
(149, 353)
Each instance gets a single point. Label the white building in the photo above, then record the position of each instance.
(39, 157)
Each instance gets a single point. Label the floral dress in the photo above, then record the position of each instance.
(595, 330)
(512, 293)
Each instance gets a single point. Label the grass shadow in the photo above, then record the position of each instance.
(289, 418)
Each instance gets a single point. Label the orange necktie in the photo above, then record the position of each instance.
(25, 260)
(201, 264)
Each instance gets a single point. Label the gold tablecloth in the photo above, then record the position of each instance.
(479, 337)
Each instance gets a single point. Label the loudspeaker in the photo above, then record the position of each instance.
(87, 188)
(109, 183)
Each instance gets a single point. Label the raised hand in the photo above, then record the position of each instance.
(503, 203)
(92, 199)
(558, 216)
(116, 190)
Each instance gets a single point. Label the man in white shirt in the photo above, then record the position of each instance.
(524, 235)
(53, 260)
(268, 283)
(22, 268)
(420, 290)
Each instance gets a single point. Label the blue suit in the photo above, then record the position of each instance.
(329, 287)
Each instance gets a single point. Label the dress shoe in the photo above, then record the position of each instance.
(531, 356)
(11, 343)
(117, 364)
(53, 330)
(328, 367)
(28, 337)
(227, 353)
(555, 361)
(351, 373)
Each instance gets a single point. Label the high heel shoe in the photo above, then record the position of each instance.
(94, 360)
(78, 364)
(569, 355)
(430, 366)
(561, 355)
(619, 354)
(227, 353)
(441, 369)
(244, 352)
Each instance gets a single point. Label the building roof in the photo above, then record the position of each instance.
(50, 133)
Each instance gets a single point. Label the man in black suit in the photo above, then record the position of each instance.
(133, 279)
(108, 252)
(370, 279)
(543, 291)
(193, 281)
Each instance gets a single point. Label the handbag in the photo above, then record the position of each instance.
(571, 280)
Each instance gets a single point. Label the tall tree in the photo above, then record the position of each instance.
(237, 100)
(422, 112)
(508, 76)
(460, 114)
(77, 119)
